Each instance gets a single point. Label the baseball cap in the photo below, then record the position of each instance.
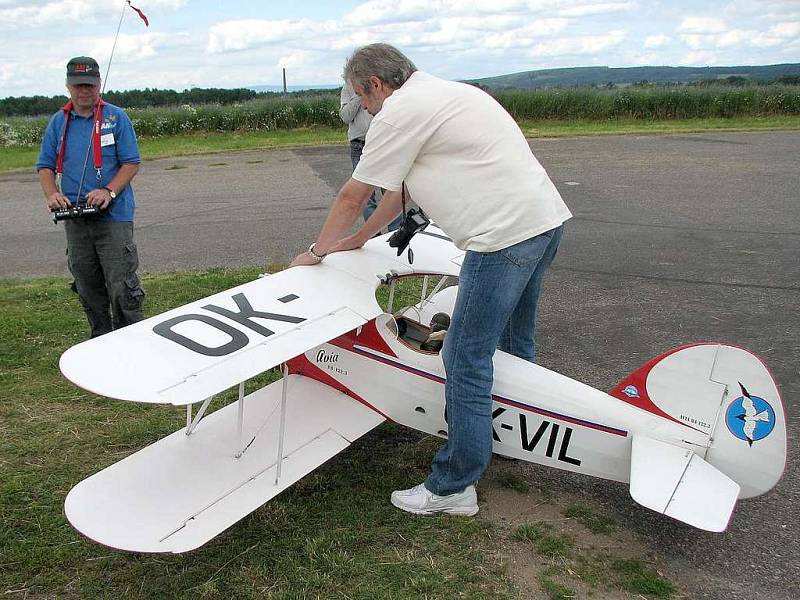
(83, 69)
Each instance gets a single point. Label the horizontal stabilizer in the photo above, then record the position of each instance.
(180, 492)
(678, 483)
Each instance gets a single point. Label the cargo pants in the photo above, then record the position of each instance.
(103, 260)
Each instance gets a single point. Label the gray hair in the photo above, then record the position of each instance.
(383, 61)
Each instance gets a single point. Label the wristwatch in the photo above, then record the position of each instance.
(111, 192)
(319, 257)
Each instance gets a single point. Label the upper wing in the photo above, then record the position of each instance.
(195, 351)
(190, 353)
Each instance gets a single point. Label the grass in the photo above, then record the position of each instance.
(587, 517)
(639, 578)
(548, 545)
(554, 590)
(570, 562)
(515, 482)
(584, 127)
(333, 534)
(24, 157)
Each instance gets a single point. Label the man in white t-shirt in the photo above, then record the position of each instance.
(466, 163)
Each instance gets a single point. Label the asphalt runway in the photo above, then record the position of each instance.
(675, 239)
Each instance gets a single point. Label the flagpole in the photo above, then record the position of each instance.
(113, 47)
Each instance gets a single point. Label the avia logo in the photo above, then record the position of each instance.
(327, 357)
(750, 418)
(630, 391)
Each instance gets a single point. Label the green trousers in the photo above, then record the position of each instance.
(103, 260)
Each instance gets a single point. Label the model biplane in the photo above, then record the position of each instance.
(692, 431)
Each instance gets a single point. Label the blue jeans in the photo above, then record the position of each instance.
(498, 293)
(356, 148)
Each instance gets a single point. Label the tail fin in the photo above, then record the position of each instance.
(725, 392)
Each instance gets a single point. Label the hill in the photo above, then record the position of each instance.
(601, 76)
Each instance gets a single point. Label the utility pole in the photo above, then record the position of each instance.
(284, 80)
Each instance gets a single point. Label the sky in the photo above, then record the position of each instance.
(200, 43)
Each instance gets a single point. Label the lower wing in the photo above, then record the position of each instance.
(180, 492)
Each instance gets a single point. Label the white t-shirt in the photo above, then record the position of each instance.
(465, 162)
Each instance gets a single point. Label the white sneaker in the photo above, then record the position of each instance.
(420, 501)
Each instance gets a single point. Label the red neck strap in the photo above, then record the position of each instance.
(96, 148)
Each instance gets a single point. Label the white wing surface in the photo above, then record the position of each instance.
(180, 492)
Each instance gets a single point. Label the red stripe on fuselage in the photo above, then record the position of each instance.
(499, 399)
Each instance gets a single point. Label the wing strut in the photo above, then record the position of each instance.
(282, 429)
(192, 423)
(239, 418)
(390, 304)
(425, 299)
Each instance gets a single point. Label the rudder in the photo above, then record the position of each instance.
(749, 439)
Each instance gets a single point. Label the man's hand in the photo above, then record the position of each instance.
(57, 200)
(99, 197)
(351, 242)
(305, 259)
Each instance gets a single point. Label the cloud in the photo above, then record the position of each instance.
(785, 30)
(780, 34)
(527, 35)
(583, 10)
(300, 58)
(67, 11)
(136, 47)
(699, 59)
(446, 33)
(583, 45)
(702, 25)
(656, 41)
(391, 11)
(763, 10)
(232, 36)
(62, 12)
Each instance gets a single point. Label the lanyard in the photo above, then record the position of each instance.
(95, 141)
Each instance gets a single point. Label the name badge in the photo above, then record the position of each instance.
(107, 139)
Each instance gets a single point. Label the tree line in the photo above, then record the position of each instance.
(30, 106)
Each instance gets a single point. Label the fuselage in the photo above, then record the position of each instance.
(538, 415)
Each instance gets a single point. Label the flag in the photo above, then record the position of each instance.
(140, 13)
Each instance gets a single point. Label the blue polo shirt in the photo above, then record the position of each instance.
(119, 147)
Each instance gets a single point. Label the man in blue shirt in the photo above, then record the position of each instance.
(89, 156)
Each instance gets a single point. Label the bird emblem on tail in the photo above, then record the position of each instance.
(746, 413)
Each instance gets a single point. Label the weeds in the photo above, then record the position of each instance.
(322, 110)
